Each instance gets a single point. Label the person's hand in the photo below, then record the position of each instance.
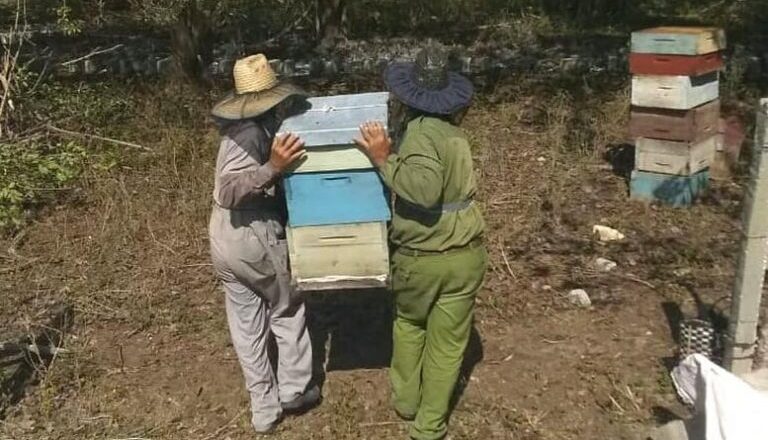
(375, 142)
(286, 149)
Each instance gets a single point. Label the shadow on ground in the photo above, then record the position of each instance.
(350, 330)
(353, 330)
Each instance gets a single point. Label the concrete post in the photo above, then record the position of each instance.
(740, 349)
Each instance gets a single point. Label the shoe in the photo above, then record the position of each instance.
(308, 400)
(406, 417)
(267, 430)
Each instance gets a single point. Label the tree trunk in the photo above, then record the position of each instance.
(191, 41)
(330, 22)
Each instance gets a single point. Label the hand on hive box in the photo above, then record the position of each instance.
(375, 142)
(286, 149)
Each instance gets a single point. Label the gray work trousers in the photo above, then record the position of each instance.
(250, 258)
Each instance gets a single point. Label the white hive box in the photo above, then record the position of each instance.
(674, 92)
(329, 127)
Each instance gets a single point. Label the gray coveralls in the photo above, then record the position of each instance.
(249, 254)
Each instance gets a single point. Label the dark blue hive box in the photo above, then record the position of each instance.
(669, 189)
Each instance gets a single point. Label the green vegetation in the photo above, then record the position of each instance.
(30, 173)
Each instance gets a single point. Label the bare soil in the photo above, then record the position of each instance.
(150, 354)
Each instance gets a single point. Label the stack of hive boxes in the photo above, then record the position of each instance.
(338, 208)
(675, 111)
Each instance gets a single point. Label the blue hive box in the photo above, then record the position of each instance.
(336, 198)
(669, 189)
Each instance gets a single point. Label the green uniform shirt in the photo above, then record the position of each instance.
(431, 176)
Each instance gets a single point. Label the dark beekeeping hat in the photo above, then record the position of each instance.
(428, 84)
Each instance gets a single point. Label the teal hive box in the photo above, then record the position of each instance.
(678, 191)
(673, 40)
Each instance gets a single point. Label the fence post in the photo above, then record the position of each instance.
(748, 289)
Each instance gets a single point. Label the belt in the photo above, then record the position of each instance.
(445, 208)
(264, 205)
(474, 244)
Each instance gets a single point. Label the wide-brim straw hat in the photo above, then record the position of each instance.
(257, 90)
(428, 85)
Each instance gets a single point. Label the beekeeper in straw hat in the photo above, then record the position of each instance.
(248, 248)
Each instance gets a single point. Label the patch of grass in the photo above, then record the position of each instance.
(32, 173)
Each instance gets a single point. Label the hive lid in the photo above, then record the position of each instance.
(335, 120)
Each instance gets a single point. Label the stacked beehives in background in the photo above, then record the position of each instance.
(338, 208)
(675, 111)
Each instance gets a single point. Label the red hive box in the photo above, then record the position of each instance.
(688, 65)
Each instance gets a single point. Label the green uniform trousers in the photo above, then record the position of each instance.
(434, 301)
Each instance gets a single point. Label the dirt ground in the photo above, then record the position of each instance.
(150, 356)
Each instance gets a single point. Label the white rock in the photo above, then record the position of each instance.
(607, 234)
(605, 265)
(579, 297)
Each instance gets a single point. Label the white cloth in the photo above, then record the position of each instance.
(733, 409)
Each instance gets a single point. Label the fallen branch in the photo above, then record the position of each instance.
(99, 138)
(631, 277)
(93, 54)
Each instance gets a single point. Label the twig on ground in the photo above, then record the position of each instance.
(97, 51)
(631, 277)
(506, 261)
(185, 266)
(391, 423)
(228, 425)
(552, 341)
(99, 138)
(616, 404)
(21, 266)
(632, 398)
(508, 358)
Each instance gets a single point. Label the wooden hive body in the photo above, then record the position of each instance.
(339, 256)
(674, 157)
(686, 65)
(675, 125)
(674, 92)
(340, 197)
(677, 191)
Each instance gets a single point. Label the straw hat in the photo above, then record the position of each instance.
(257, 90)
(428, 85)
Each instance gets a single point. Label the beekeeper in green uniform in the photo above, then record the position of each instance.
(438, 259)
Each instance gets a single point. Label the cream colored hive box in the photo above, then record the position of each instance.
(332, 257)
(672, 157)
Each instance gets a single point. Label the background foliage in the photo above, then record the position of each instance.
(33, 170)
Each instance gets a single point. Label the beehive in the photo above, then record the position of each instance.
(338, 207)
(675, 111)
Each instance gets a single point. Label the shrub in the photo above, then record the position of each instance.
(32, 173)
